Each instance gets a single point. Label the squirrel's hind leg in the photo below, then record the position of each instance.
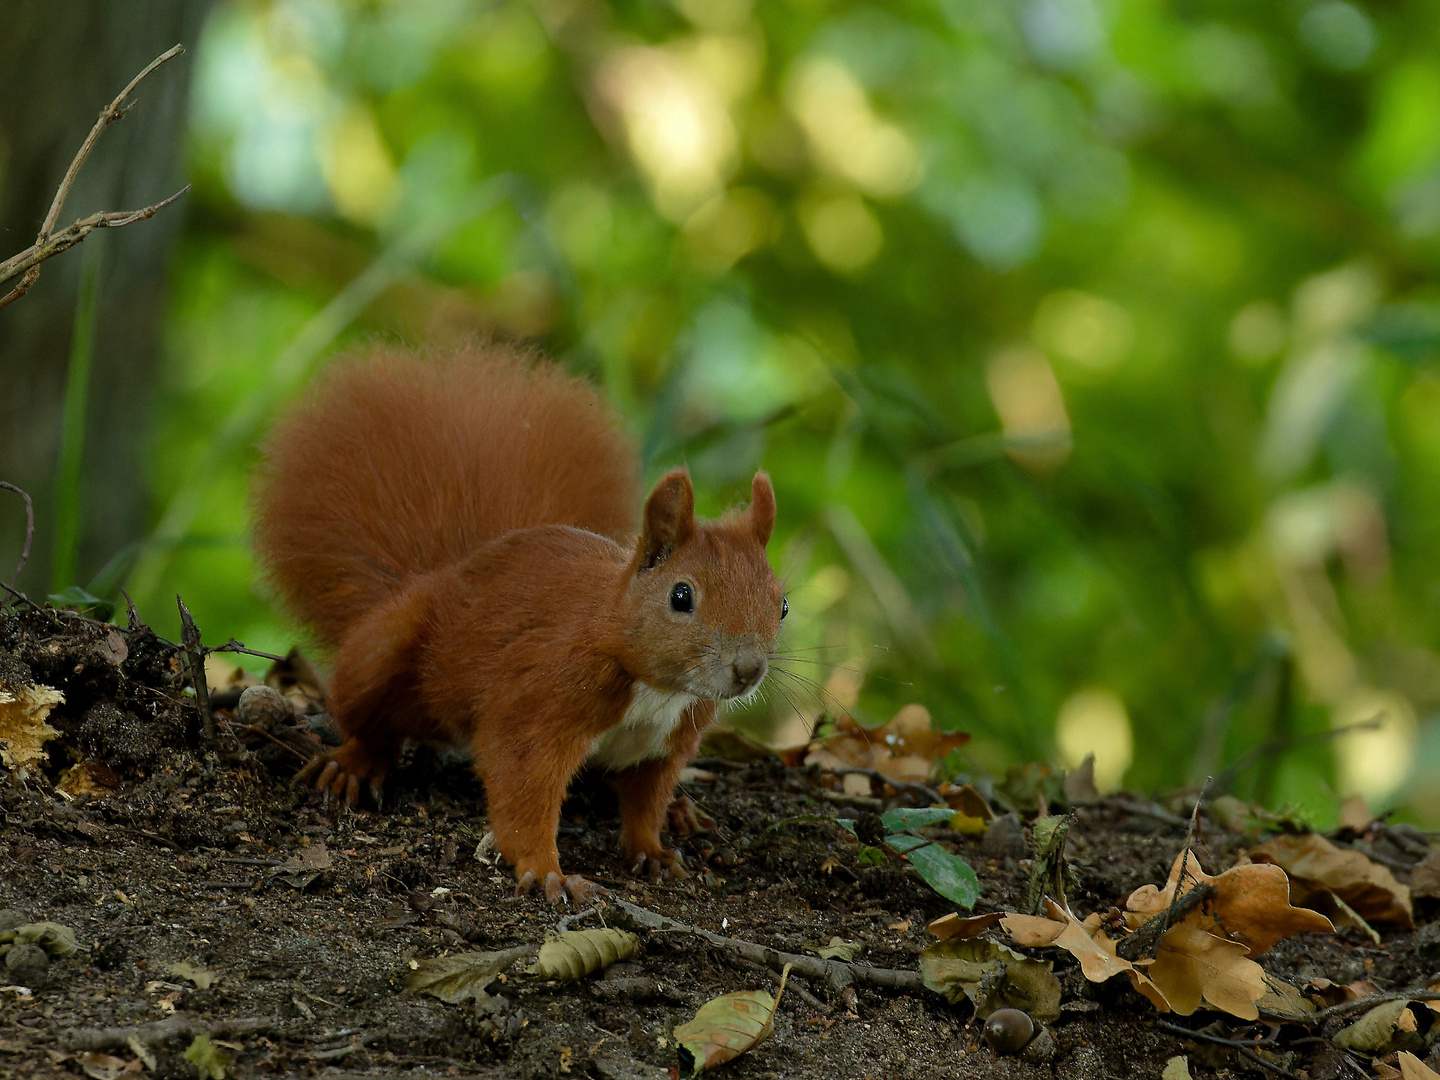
(373, 684)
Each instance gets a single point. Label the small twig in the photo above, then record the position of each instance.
(29, 529)
(1140, 808)
(563, 926)
(899, 785)
(1238, 1046)
(258, 730)
(1365, 1003)
(155, 836)
(105, 1038)
(241, 861)
(190, 636)
(50, 243)
(1196, 831)
(837, 974)
(1140, 942)
(233, 646)
(794, 987)
(132, 617)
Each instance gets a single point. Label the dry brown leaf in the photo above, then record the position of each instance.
(23, 730)
(1250, 904)
(956, 925)
(902, 749)
(1316, 864)
(1191, 965)
(1412, 1068)
(1086, 941)
(1425, 878)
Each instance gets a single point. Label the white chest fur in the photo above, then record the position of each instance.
(641, 734)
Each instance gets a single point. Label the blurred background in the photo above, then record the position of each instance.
(1091, 344)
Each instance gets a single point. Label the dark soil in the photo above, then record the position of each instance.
(301, 922)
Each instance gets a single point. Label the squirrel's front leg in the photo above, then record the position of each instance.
(644, 792)
(525, 784)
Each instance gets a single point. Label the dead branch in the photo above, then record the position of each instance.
(29, 530)
(50, 243)
(1243, 1049)
(1140, 942)
(195, 653)
(837, 974)
(178, 1026)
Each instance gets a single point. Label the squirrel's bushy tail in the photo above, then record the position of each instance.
(399, 463)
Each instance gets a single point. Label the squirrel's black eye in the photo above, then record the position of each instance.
(682, 598)
(784, 606)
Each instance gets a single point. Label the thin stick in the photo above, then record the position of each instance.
(233, 646)
(899, 785)
(190, 636)
(1234, 1044)
(1347, 1007)
(1139, 943)
(29, 530)
(836, 973)
(104, 1038)
(50, 243)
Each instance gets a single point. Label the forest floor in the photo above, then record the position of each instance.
(223, 913)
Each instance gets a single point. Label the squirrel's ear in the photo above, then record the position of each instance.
(762, 508)
(669, 518)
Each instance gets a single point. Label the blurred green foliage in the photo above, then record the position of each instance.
(1091, 344)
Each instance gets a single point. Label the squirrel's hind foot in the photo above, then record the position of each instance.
(339, 774)
(686, 818)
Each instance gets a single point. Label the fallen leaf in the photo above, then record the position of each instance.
(105, 1066)
(902, 749)
(1079, 787)
(1250, 903)
(1177, 1068)
(1283, 999)
(1412, 1068)
(958, 926)
(1192, 965)
(462, 975)
(726, 1027)
(209, 1062)
(1392, 1025)
(1425, 878)
(960, 968)
(23, 730)
(1086, 941)
(55, 939)
(202, 978)
(839, 949)
(581, 952)
(1315, 863)
(93, 778)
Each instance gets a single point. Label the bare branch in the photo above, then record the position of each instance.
(29, 529)
(46, 245)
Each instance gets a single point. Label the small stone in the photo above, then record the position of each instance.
(27, 964)
(1005, 836)
(12, 917)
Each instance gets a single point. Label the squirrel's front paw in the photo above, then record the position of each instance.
(664, 862)
(560, 890)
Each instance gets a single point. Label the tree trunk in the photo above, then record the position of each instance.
(63, 61)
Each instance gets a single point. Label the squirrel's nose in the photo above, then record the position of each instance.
(746, 672)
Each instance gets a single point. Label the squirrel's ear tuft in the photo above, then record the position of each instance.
(762, 508)
(669, 518)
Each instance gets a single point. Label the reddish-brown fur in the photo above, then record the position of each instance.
(459, 529)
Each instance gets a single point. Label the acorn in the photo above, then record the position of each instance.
(1007, 1031)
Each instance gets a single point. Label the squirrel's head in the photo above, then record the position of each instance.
(705, 605)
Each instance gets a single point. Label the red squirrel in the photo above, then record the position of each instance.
(460, 530)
